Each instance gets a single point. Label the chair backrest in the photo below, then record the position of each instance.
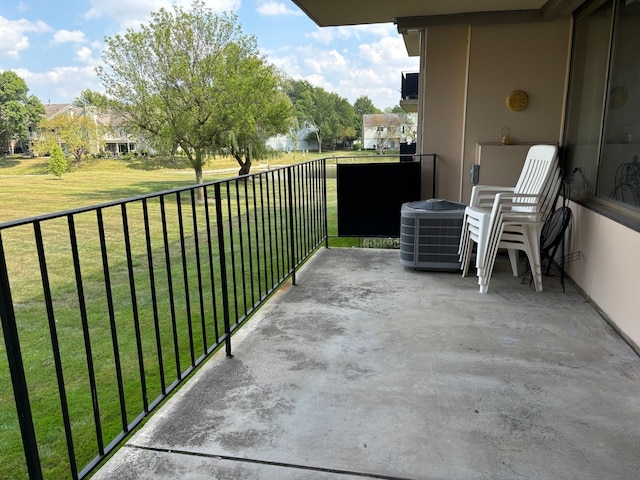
(538, 170)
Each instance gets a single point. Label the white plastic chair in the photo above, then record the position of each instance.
(490, 206)
(520, 231)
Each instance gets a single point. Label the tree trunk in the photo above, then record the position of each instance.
(197, 163)
(245, 165)
(201, 197)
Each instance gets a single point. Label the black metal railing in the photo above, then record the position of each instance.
(106, 309)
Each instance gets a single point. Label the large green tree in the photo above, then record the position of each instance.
(194, 79)
(18, 109)
(331, 117)
(91, 100)
(76, 134)
(363, 106)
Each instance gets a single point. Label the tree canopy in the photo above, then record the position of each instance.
(79, 134)
(194, 79)
(18, 109)
(363, 106)
(331, 117)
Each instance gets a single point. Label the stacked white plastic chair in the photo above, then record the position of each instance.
(511, 217)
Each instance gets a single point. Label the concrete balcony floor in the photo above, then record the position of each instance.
(367, 369)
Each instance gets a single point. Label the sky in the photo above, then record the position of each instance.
(55, 46)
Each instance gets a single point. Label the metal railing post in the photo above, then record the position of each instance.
(223, 270)
(324, 202)
(292, 237)
(18, 378)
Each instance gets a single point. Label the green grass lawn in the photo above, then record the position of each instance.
(28, 190)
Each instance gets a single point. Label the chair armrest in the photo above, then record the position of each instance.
(483, 195)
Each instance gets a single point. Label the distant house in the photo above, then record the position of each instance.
(386, 131)
(117, 138)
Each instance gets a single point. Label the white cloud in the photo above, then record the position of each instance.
(289, 64)
(326, 61)
(66, 83)
(319, 81)
(66, 36)
(13, 38)
(386, 51)
(131, 13)
(327, 35)
(277, 8)
(372, 69)
(85, 55)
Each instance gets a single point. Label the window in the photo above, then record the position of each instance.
(602, 135)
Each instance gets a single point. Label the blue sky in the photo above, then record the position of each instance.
(56, 45)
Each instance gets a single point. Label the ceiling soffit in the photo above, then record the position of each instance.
(422, 13)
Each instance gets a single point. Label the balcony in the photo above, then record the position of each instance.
(409, 92)
(352, 367)
(366, 369)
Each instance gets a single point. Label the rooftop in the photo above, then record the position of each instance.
(367, 369)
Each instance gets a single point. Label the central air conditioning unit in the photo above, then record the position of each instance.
(430, 234)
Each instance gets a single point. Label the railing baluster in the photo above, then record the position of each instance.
(185, 275)
(281, 218)
(86, 333)
(154, 298)
(257, 234)
(196, 242)
(248, 220)
(214, 303)
(112, 320)
(324, 202)
(134, 299)
(241, 240)
(232, 253)
(270, 227)
(16, 368)
(172, 306)
(55, 347)
(264, 239)
(291, 226)
(223, 270)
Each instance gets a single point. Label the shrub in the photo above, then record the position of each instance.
(57, 161)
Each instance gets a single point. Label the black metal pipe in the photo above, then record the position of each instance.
(214, 303)
(85, 333)
(223, 270)
(154, 299)
(292, 245)
(185, 276)
(16, 368)
(112, 316)
(55, 348)
(196, 243)
(134, 309)
(172, 306)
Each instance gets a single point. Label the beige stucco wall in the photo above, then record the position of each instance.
(442, 116)
(466, 75)
(604, 257)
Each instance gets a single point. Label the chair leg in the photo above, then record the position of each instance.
(535, 259)
(484, 273)
(513, 259)
(465, 257)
